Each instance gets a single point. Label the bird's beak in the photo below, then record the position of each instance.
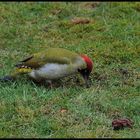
(85, 75)
(86, 79)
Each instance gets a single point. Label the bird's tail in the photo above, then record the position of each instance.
(14, 74)
(6, 78)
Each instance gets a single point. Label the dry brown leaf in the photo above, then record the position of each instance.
(63, 110)
(56, 11)
(91, 4)
(80, 21)
(121, 123)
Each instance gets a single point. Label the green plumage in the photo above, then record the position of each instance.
(51, 55)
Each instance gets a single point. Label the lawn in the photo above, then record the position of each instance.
(111, 38)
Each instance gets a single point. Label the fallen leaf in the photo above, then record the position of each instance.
(80, 21)
(91, 5)
(121, 123)
(63, 110)
(56, 11)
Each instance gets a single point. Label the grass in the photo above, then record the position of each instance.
(111, 39)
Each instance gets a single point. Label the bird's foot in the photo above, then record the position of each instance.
(50, 85)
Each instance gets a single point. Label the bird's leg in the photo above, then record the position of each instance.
(50, 84)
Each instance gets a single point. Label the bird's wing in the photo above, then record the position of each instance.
(39, 59)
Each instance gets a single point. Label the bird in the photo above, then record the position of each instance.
(52, 64)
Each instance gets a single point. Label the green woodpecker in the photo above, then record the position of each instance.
(51, 64)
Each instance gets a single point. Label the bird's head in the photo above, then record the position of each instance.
(89, 66)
